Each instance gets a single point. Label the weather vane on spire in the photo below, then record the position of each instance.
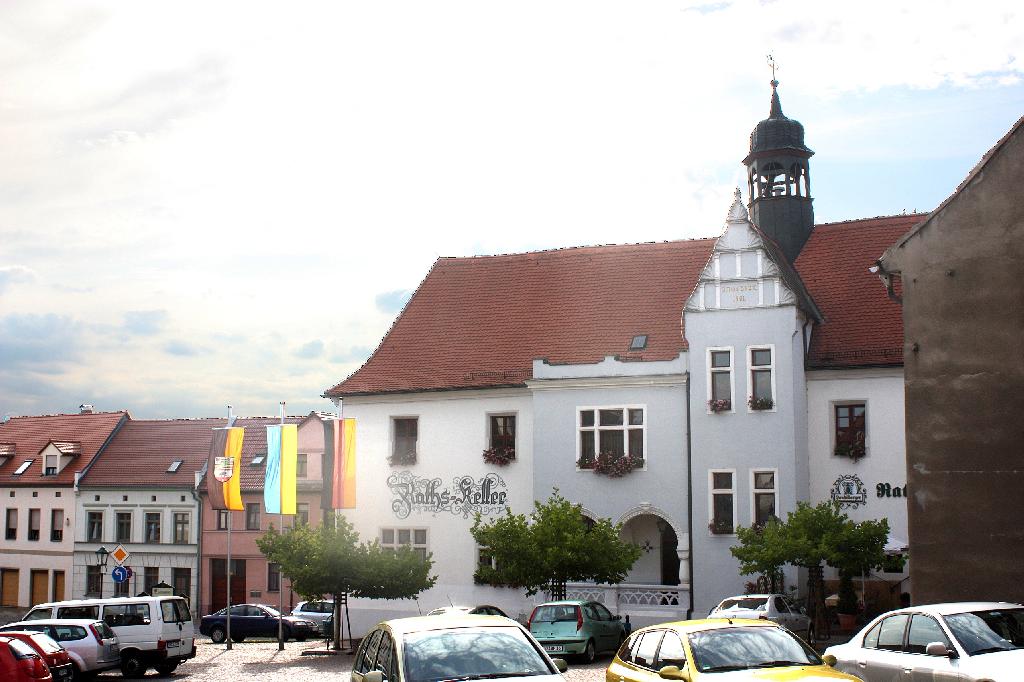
(771, 63)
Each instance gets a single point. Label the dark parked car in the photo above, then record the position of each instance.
(255, 620)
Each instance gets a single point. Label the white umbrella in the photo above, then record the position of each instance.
(895, 545)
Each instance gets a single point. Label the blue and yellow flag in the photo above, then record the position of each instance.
(279, 481)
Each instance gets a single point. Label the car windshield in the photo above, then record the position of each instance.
(724, 649)
(746, 603)
(554, 613)
(471, 654)
(983, 632)
(272, 611)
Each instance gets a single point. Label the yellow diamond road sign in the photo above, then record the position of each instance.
(120, 554)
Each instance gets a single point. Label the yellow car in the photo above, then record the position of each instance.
(719, 650)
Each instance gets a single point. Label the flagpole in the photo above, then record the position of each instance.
(231, 420)
(280, 581)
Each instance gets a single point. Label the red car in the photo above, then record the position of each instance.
(54, 655)
(20, 663)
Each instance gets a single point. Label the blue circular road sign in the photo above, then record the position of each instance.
(119, 574)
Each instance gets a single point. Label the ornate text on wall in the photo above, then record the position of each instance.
(890, 490)
(466, 495)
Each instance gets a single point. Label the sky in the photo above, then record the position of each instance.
(211, 204)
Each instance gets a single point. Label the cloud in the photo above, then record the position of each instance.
(15, 274)
(393, 301)
(353, 354)
(144, 322)
(313, 349)
(30, 339)
(182, 348)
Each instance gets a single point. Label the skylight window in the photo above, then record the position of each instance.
(639, 342)
(24, 466)
(175, 465)
(257, 460)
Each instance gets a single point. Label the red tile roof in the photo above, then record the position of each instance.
(481, 321)
(143, 449)
(30, 435)
(862, 327)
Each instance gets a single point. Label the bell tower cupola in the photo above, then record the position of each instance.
(779, 180)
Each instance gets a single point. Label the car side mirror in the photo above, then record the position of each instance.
(829, 660)
(560, 665)
(940, 649)
(673, 672)
(373, 676)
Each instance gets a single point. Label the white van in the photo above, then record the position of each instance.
(154, 632)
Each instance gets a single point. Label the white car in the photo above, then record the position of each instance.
(153, 632)
(428, 649)
(316, 610)
(773, 607)
(91, 644)
(974, 641)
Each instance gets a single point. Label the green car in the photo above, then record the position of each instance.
(579, 628)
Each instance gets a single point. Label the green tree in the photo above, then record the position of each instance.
(330, 560)
(556, 544)
(761, 553)
(811, 537)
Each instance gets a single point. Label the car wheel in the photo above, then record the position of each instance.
(79, 675)
(166, 668)
(286, 634)
(300, 639)
(590, 653)
(132, 665)
(218, 634)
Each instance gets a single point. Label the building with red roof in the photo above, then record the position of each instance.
(730, 377)
(41, 460)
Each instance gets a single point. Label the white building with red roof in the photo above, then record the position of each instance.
(737, 375)
(41, 459)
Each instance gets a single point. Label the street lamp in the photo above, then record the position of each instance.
(101, 560)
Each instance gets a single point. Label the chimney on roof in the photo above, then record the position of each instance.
(85, 408)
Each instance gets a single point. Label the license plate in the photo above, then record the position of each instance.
(554, 648)
(64, 673)
(173, 643)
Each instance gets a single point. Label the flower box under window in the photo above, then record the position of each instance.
(720, 405)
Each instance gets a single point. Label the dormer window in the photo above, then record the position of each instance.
(175, 465)
(24, 467)
(51, 465)
(639, 342)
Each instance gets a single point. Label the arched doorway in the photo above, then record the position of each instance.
(659, 561)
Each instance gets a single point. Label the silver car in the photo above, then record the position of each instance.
(91, 644)
(958, 641)
(773, 607)
(317, 610)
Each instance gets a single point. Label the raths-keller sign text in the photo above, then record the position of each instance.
(464, 496)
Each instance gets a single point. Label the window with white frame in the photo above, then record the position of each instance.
(722, 501)
(393, 538)
(763, 494)
(51, 465)
(484, 558)
(613, 432)
(761, 386)
(720, 380)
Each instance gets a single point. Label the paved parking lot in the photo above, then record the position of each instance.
(261, 660)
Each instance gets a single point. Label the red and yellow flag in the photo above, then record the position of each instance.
(339, 465)
(224, 469)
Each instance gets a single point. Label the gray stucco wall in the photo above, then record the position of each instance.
(963, 319)
(662, 485)
(742, 440)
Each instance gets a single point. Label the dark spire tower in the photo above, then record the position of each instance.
(779, 180)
